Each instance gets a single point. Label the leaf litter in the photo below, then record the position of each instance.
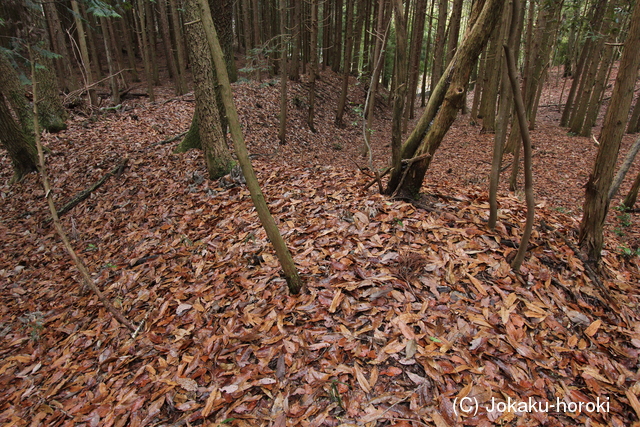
(406, 312)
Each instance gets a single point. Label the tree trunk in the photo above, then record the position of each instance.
(417, 35)
(634, 122)
(284, 256)
(66, 75)
(178, 79)
(145, 48)
(223, 20)
(313, 69)
(347, 65)
(423, 97)
(217, 155)
(438, 55)
(14, 139)
(400, 81)
(632, 196)
(84, 54)
(284, 76)
(626, 165)
(113, 82)
(446, 99)
(597, 11)
(596, 204)
(294, 69)
(181, 61)
(505, 108)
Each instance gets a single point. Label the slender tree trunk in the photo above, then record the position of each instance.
(400, 78)
(622, 172)
(181, 60)
(347, 65)
(597, 11)
(634, 122)
(84, 53)
(417, 35)
(632, 196)
(294, 71)
(128, 42)
(596, 204)
(438, 55)
(423, 99)
(313, 69)
(113, 82)
(66, 74)
(178, 80)
(145, 48)
(505, 107)
(284, 256)
(284, 76)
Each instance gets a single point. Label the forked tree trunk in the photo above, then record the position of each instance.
(443, 106)
(596, 204)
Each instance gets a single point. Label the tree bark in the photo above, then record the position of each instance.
(84, 53)
(438, 55)
(284, 76)
(626, 165)
(347, 65)
(596, 204)
(217, 156)
(313, 69)
(284, 256)
(16, 141)
(443, 106)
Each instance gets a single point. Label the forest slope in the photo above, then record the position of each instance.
(406, 309)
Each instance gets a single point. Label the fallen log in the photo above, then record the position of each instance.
(117, 170)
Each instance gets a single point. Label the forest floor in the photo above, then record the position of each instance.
(407, 311)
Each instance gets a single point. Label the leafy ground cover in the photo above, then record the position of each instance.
(407, 312)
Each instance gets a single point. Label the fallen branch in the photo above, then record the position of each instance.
(86, 277)
(170, 140)
(376, 179)
(86, 193)
(591, 273)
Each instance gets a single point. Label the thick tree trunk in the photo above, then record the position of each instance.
(65, 72)
(16, 141)
(222, 11)
(596, 204)
(446, 100)
(214, 144)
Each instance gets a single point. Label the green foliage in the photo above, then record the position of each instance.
(627, 252)
(101, 9)
(34, 322)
